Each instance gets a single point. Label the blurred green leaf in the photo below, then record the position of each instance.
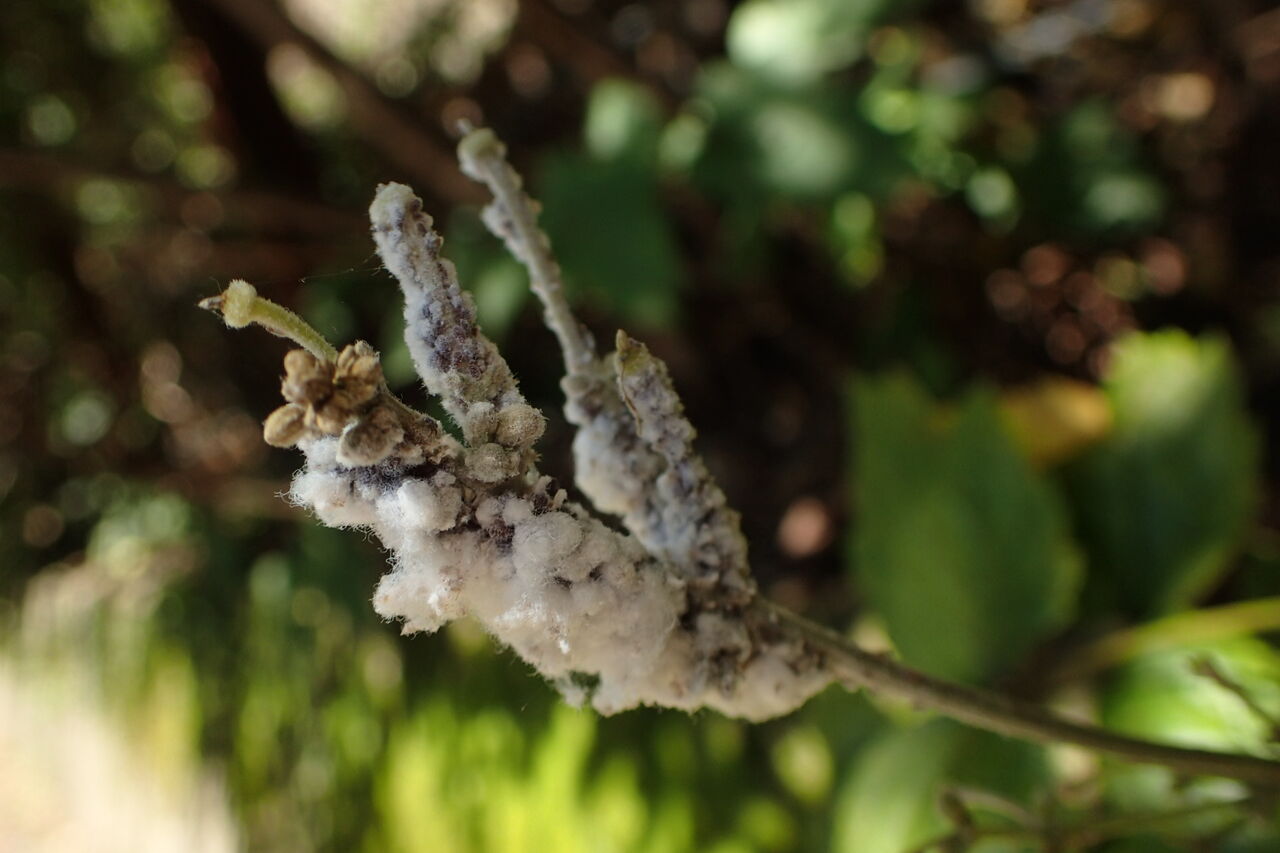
(1161, 504)
(959, 545)
(1162, 697)
(128, 28)
(804, 764)
(623, 121)
(1142, 844)
(1256, 838)
(806, 144)
(612, 237)
(603, 214)
(1089, 174)
(854, 237)
(1166, 697)
(889, 801)
(992, 195)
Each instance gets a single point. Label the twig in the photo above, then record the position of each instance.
(853, 666)
(703, 535)
(1082, 834)
(379, 121)
(962, 838)
(239, 305)
(857, 669)
(1089, 833)
(994, 803)
(585, 53)
(513, 217)
(615, 468)
(269, 210)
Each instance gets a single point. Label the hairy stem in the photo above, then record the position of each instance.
(857, 669)
(240, 305)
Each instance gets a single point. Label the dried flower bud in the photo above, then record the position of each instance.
(371, 439)
(307, 379)
(333, 394)
(519, 425)
(479, 422)
(330, 420)
(490, 463)
(357, 375)
(285, 426)
(353, 354)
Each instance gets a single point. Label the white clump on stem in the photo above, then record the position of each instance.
(475, 529)
(665, 614)
(577, 600)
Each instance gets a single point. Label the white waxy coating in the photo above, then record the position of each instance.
(484, 535)
(568, 594)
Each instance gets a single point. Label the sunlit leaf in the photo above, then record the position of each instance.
(623, 121)
(1165, 696)
(797, 41)
(612, 237)
(1223, 696)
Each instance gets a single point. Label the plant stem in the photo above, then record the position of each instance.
(240, 306)
(483, 157)
(857, 668)
(1095, 832)
(1086, 833)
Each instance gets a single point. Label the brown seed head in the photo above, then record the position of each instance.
(332, 394)
(307, 379)
(285, 426)
(358, 373)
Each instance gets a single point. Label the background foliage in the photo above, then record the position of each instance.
(974, 304)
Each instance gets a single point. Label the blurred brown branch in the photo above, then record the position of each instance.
(378, 120)
(264, 210)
